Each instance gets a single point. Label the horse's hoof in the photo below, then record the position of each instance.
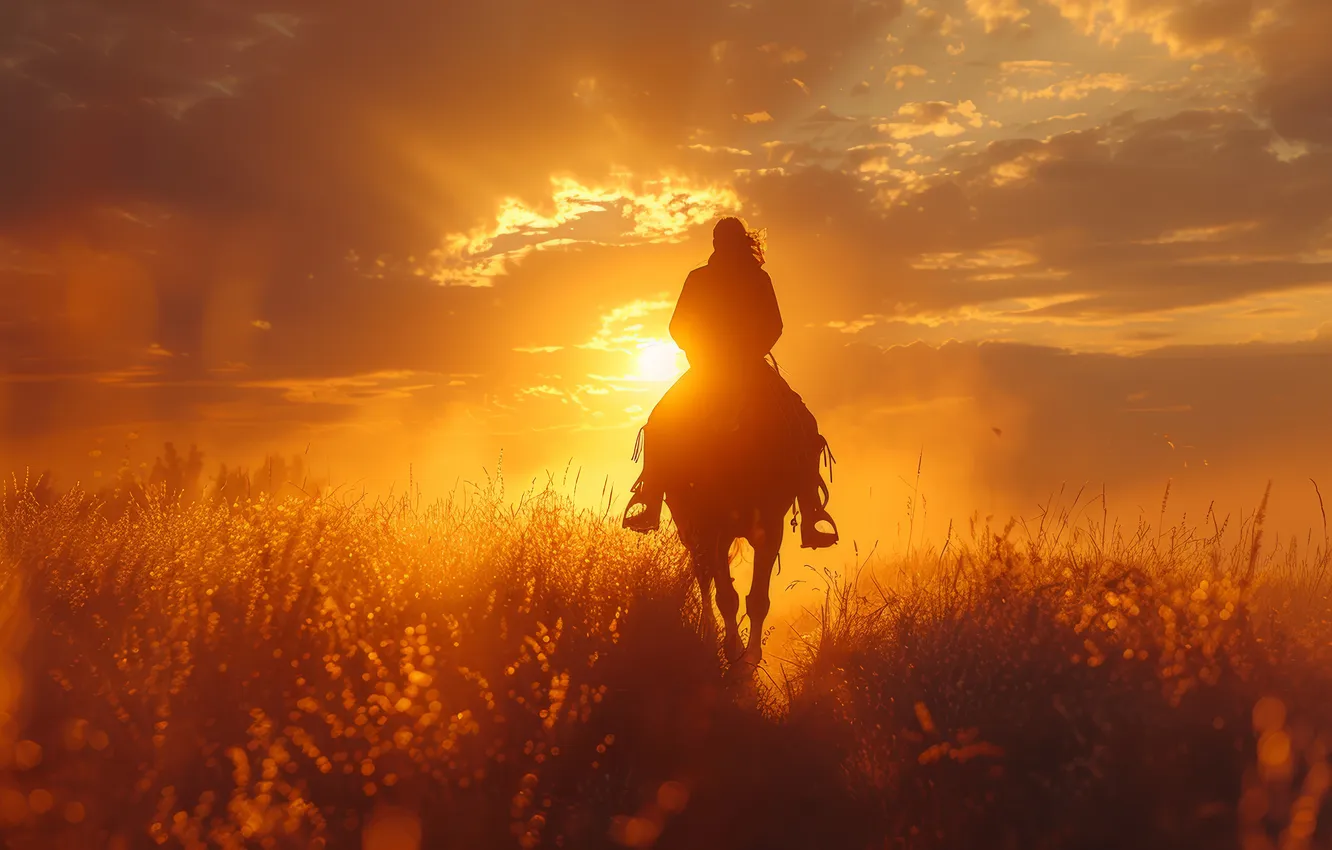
(742, 681)
(750, 659)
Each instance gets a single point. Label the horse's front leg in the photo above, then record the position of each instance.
(707, 617)
(711, 566)
(728, 600)
(759, 600)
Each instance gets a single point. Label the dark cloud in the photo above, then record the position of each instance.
(1297, 91)
(183, 170)
(378, 125)
(1288, 38)
(1136, 216)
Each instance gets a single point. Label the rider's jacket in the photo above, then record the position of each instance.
(727, 315)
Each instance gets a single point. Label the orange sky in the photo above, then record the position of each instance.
(1042, 241)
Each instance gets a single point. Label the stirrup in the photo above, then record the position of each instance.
(810, 535)
(649, 519)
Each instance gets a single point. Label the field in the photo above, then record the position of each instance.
(336, 672)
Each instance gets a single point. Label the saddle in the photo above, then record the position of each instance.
(719, 428)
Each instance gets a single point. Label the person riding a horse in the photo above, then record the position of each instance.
(732, 397)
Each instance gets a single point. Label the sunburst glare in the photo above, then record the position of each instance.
(660, 360)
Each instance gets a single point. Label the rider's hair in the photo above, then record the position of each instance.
(732, 237)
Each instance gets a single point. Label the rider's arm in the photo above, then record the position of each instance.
(684, 321)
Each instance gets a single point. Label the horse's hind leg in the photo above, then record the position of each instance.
(759, 600)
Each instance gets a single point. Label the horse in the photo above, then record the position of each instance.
(737, 485)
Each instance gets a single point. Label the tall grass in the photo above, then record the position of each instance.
(342, 672)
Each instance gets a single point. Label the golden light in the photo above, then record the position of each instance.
(660, 360)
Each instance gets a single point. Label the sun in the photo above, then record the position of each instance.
(659, 360)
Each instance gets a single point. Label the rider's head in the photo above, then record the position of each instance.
(732, 238)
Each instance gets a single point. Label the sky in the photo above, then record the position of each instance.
(1019, 245)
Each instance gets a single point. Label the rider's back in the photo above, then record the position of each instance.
(727, 316)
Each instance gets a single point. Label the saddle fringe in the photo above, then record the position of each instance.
(826, 457)
(638, 445)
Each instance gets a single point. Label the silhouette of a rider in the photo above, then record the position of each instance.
(726, 322)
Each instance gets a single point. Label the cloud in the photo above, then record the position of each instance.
(995, 14)
(309, 135)
(1184, 26)
(825, 115)
(181, 171)
(1044, 67)
(1286, 39)
(936, 118)
(933, 22)
(1077, 88)
(1001, 258)
(1297, 89)
(899, 74)
(1135, 219)
(640, 211)
(788, 55)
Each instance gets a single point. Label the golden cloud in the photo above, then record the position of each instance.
(656, 210)
(1078, 88)
(996, 13)
(933, 118)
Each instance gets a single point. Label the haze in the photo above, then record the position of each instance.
(1037, 242)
